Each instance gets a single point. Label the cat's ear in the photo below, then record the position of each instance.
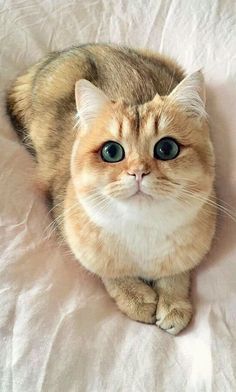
(190, 94)
(89, 102)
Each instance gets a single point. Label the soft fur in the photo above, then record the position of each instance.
(142, 244)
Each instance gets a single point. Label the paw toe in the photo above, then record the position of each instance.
(173, 317)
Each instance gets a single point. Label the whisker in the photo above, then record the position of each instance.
(211, 203)
(212, 197)
(57, 222)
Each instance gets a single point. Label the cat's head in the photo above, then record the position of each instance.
(141, 159)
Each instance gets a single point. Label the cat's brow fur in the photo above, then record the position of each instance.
(120, 241)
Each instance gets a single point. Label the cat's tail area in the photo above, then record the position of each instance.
(19, 105)
(19, 108)
(19, 101)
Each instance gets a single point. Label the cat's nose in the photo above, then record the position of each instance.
(139, 174)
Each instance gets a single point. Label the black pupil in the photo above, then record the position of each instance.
(112, 150)
(166, 148)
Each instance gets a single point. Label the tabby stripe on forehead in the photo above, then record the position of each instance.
(120, 130)
(137, 120)
(149, 124)
(156, 123)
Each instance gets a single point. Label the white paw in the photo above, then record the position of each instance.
(173, 315)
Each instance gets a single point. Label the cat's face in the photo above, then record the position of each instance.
(140, 159)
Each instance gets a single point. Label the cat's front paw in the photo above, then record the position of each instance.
(173, 315)
(139, 304)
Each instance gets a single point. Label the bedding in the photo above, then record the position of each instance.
(59, 330)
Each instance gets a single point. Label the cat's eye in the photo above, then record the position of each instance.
(166, 149)
(112, 152)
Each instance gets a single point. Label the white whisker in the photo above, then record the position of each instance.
(208, 201)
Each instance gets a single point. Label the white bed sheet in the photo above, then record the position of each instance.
(59, 330)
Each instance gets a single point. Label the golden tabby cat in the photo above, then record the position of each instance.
(122, 147)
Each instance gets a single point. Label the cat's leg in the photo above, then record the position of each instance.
(174, 308)
(133, 297)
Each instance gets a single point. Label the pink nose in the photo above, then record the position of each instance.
(139, 174)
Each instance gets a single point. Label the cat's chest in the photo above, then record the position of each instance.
(141, 245)
(137, 239)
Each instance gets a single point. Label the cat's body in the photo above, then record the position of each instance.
(120, 233)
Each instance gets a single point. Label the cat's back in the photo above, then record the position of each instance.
(135, 75)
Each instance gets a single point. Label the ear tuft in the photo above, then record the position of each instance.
(89, 102)
(190, 94)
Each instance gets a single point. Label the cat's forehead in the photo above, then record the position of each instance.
(135, 122)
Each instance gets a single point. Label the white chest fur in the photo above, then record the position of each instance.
(144, 233)
(144, 245)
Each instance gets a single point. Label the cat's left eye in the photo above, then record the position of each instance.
(166, 149)
(112, 152)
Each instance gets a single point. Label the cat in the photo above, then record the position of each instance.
(122, 146)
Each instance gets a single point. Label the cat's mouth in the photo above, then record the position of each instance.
(139, 194)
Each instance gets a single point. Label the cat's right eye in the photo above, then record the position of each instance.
(112, 152)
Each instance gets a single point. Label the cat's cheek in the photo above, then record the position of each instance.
(182, 169)
(88, 179)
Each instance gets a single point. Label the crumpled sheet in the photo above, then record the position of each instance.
(59, 330)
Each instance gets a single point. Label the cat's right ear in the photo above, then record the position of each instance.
(89, 102)
(190, 95)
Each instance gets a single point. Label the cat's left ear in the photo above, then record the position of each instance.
(190, 95)
(89, 102)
